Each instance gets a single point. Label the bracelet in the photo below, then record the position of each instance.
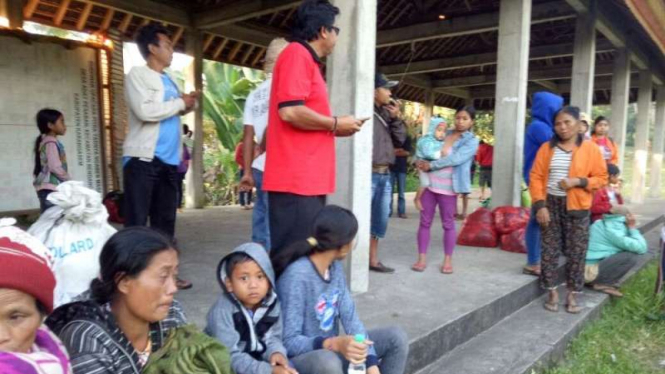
(334, 124)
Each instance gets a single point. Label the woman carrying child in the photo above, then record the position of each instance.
(565, 173)
(314, 296)
(50, 160)
(450, 175)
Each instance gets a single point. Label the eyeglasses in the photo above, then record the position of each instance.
(335, 29)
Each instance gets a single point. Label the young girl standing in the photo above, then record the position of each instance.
(600, 136)
(50, 158)
(313, 292)
(565, 173)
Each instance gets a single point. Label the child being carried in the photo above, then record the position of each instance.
(428, 148)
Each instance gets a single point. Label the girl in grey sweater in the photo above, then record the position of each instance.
(315, 298)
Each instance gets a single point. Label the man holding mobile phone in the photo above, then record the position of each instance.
(389, 134)
(300, 149)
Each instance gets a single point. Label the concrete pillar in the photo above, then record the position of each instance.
(584, 59)
(429, 110)
(511, 95)
(658, 144)
(620, 97)
(641, 137)
(194, 195)
(351, 86)
(13, 11)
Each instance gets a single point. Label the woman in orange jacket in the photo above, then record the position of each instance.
(600, 136)
(566, 172)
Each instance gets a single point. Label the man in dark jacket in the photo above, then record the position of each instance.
(389, 130)
(544, 108)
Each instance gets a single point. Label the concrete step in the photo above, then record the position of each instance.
(532, 336)
(520, 342)
(429, 348)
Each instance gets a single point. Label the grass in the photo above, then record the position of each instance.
(627, 339)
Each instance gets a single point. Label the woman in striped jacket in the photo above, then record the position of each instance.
(566, 172)
(129, 310)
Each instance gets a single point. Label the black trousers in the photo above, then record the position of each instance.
(181, 188)
(291, 217)
(44, 204)
(151, 192)
(613, 268)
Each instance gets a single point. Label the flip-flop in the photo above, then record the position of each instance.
(446, 270)
(381, 268)
(608, 290)
(552, 307)
(527, 271)
(573, 309)
(419, 267)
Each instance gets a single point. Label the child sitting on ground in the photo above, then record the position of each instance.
(428, 148)
(607, 197)
(246, 317)
(315, 298)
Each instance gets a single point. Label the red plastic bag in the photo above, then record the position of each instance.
(478, 230)
(514, 242)
(509, 218)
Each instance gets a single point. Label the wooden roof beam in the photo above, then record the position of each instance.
(475, 24)
(152, 10)
(563, 72)
(614, 28)
(29, 8)
(83, 18)
(108, 18)
(451, 63)
(548, 85)
(256, 36)
(600, 84)
(219, 49)
(237, 12)
(60, 13)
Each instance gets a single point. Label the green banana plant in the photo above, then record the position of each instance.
(224, 95)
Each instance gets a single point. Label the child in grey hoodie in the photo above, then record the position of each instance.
(246, 317)
(315, 300)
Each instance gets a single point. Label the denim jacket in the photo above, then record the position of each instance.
(463, 155)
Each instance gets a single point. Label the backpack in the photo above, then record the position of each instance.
(114, 202)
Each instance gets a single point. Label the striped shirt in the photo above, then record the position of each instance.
(95, 342)
(559, 170)
(441, 181)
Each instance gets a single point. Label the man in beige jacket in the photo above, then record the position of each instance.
(152, 149)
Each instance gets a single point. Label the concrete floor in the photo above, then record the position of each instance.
(418, 302)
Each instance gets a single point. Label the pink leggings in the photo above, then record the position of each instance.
(447, 208)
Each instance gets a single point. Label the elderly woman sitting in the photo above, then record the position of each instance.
(26, 296)
(130, 309)
(614, 244)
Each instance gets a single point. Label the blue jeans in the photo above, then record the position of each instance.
(382, 190)
(260, 221)
(399, 181)
(391, 345)
(532, 238)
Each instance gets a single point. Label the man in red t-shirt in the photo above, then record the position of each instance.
(300, 154)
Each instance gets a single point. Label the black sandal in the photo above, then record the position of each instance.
(381, 268)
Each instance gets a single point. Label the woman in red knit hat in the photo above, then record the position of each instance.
(26, 297)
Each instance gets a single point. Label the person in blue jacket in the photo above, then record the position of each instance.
(545, 106)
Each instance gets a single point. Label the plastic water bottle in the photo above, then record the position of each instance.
(358, 368)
